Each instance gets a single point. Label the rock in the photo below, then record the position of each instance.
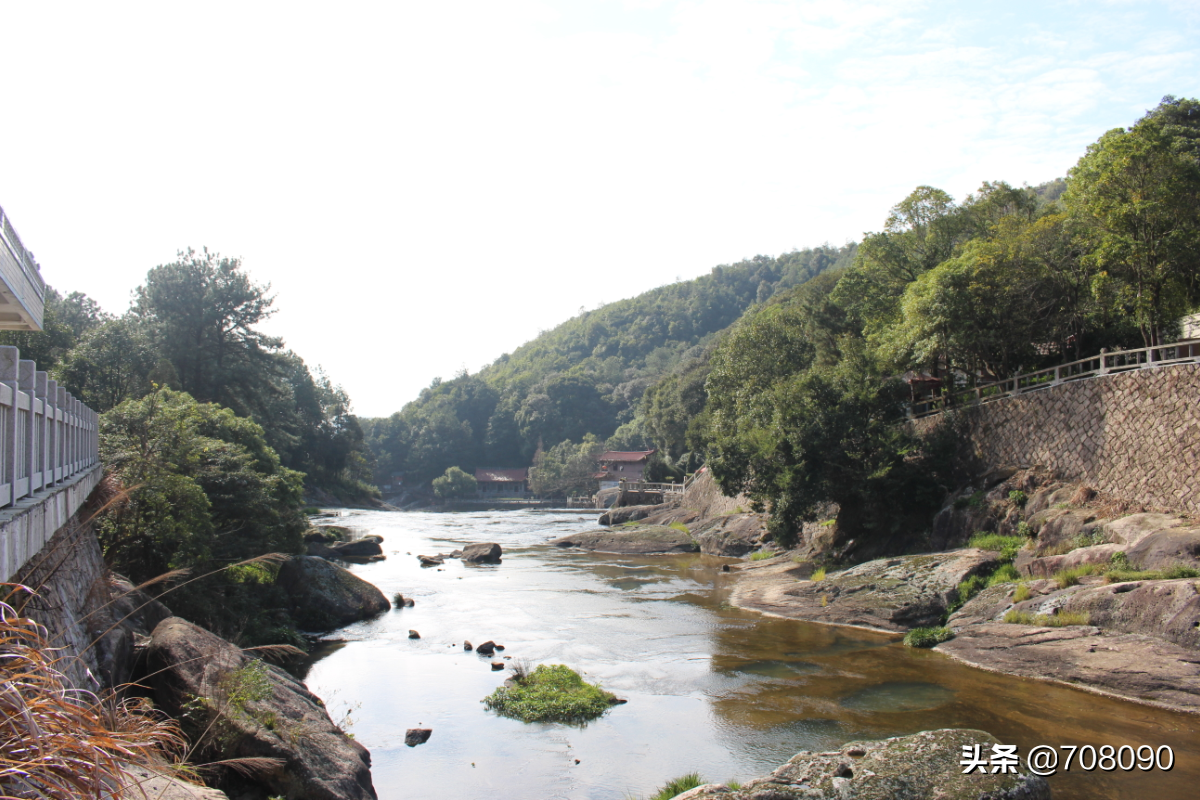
(1132, 529)
(432, 561)
(618, 516)
(260, 711)
(735, 535)
(466, 647)
(409, 602)
(647, 539)
(497, 665)
(324, 596)
(120, 627)
(1166, 548)
(1141, 644)
(917, 767)
(414, 635)
(359, 548)
(487, 648)
(416, 736)
(155, 785)
(482, 553)
(890, 594)
(1059, 528)
(1029, 564)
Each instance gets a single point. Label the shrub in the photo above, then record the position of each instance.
(1022, 593)
(678, 786)
(1070, 577)
(1018, 498)
(927, 637)
(1090, 538)
(818, 575)
(965, 591)
(1059, 620)
(1023, 529)
(1119, 561)
(551, 693)
(1007, 546)
(1007, 573)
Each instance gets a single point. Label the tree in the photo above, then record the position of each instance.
(454, 483)
(1135, 192)
(202, 310)
(203, 491)
(566, 468)
(110, 364)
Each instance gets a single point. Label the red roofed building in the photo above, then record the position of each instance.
(502, 482)
(622, 465)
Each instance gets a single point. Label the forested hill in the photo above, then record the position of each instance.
(586, 376)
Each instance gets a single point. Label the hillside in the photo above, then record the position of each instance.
(586, 376)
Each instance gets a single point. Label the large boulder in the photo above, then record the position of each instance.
(643, 540)
(1166, 548)
(325, 596)
(623, 514)
(918, 767)
(235, 706)
(888, 594)
(1027, 563)
(1141, 643)
(358, 548)
(481, 553)
(734, 535)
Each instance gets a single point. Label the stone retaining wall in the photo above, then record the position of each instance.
(1135, 435)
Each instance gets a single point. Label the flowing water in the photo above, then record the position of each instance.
(713, 689)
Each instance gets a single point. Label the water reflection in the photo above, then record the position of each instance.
(711, 688)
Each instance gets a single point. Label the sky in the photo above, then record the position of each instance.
(426, 186)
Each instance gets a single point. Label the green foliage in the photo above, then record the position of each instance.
(927, 637)
(1006, 546)
(1007, 573)
(551, 693)
(678, 786)
(204, 490)
(1060, 620)
(1024, 530)
(588, 376)
(679, 526)
(1022, 593)
(1120, 561)
(762, 555)
(1070, 577)
(966, 590)
(454, 483)
(818, 575)
(1174, 572)
(1018, 498)
(1135, 194)
(567, 468)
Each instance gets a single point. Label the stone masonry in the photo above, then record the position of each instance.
(1134, 435)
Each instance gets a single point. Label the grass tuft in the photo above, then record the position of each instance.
(1007, 573)
(1070, 577)
(551, 693)
(762, 555)
(1007, 546)
(679, 526)
(60, 743)
(678, 786)
(1059, 620)
(927, 637)
(1022, 593)
(818, 575)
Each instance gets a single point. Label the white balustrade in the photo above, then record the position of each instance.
(46, 435)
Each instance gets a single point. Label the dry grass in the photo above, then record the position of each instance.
(61, 743)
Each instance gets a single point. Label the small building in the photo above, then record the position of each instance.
(622, 465)
(502, 482)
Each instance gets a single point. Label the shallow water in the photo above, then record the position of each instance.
(724, 692)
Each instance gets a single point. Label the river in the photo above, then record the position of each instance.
(727, 693)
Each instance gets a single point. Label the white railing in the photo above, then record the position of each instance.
(646, 486)
(46, 435)
(1103, 364)
(20, 273)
